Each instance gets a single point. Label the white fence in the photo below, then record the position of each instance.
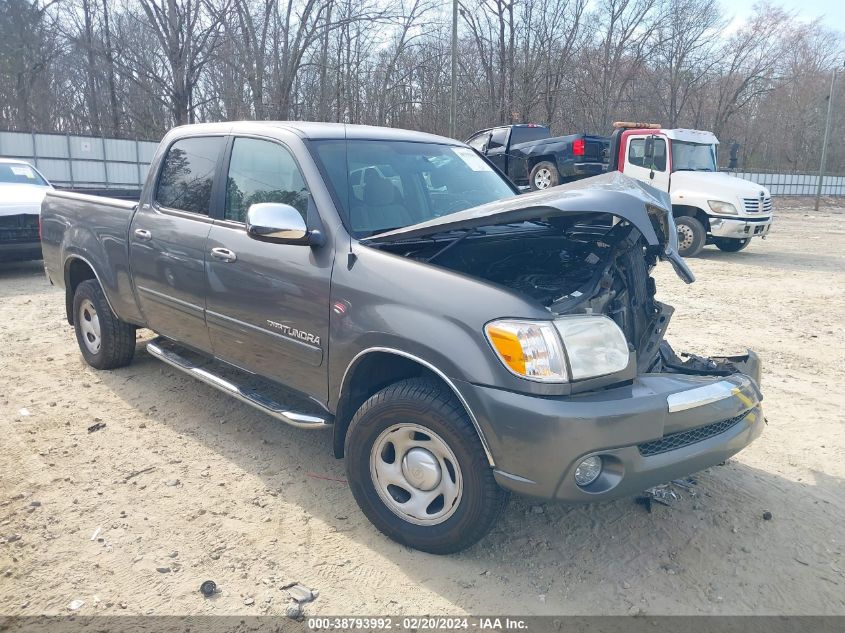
(110, 163)
(82, 161)
(795, 184)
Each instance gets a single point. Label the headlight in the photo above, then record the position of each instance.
(530, 349)
(538, 350)
(595, 346)
(725, 208)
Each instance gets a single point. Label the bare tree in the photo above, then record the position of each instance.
(187, 32)
(137, 67)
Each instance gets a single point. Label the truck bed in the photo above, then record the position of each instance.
(92, 229)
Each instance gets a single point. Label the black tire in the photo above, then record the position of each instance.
(691, 236)
(730, 245)
(116, 338)
(543, 175)
(429, 404)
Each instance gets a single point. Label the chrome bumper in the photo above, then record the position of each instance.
(740, 228)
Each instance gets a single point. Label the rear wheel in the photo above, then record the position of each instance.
(691, 235)
(730, 245)
(544, 175)
(418, 470)
(105, 341)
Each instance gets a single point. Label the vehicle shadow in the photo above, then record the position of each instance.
(708, 553)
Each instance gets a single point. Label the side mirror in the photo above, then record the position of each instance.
(279, 223)
(648, 157)
(649, 149)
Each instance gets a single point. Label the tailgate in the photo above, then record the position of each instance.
(595, 149)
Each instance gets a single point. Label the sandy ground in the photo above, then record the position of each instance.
(184, 479)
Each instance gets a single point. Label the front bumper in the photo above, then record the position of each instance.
(660, 427)
(740, 228)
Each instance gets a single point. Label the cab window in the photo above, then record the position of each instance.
(187, 174)
(498, 138)
(479, 142)
(636, 154)
(262, 171)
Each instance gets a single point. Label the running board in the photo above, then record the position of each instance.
(210, 372)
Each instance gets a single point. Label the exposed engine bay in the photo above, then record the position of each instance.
(573, 268)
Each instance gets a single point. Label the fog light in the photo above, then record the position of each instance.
(588, 471)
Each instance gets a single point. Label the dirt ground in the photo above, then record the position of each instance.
(189, 481)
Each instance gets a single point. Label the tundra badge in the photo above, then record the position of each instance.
(291, 332)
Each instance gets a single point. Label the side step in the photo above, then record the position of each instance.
(255, 391)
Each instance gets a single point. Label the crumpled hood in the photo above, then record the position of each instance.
(612, 193)
(707, 182)
(17, 199)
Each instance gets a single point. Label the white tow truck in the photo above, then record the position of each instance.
(709, 206)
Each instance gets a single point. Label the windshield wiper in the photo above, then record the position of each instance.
(453, 243)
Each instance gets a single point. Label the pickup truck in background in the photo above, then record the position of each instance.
(709, 206)
(530, 156)
(461, 341)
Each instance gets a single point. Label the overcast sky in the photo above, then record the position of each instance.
(832, 10)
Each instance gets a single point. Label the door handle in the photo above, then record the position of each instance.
(143, 234)
(223, 254)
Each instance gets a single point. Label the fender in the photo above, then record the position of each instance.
(370, 350)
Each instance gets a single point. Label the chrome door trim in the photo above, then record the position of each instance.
(440, 374)
(94, 270)
(223, 254)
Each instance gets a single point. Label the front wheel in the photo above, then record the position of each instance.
(691, 236)
(417, 468)
(105, 341)
(730, 245)
(544, 175)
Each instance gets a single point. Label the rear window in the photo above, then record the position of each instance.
(187, 174)
(525, 134)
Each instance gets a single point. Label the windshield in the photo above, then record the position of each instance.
(693, 156)
(20, 174)
(385, 185)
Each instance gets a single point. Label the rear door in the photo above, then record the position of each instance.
(167, 241)
(268, 304)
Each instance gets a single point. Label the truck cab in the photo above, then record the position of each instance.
(709, 206)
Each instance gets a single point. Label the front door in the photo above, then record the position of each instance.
(167, 241)
(268, 304)
(653, 171)
(497, 148)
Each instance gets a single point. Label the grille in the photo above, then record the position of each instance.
(19, 228)
(685, 438)
(755, 205)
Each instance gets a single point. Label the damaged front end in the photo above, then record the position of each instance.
(586, 248)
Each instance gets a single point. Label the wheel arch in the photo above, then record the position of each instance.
(531, 161)
(76, 270)
(679, 210)
(373, 369)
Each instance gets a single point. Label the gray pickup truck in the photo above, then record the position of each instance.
(460, 340)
